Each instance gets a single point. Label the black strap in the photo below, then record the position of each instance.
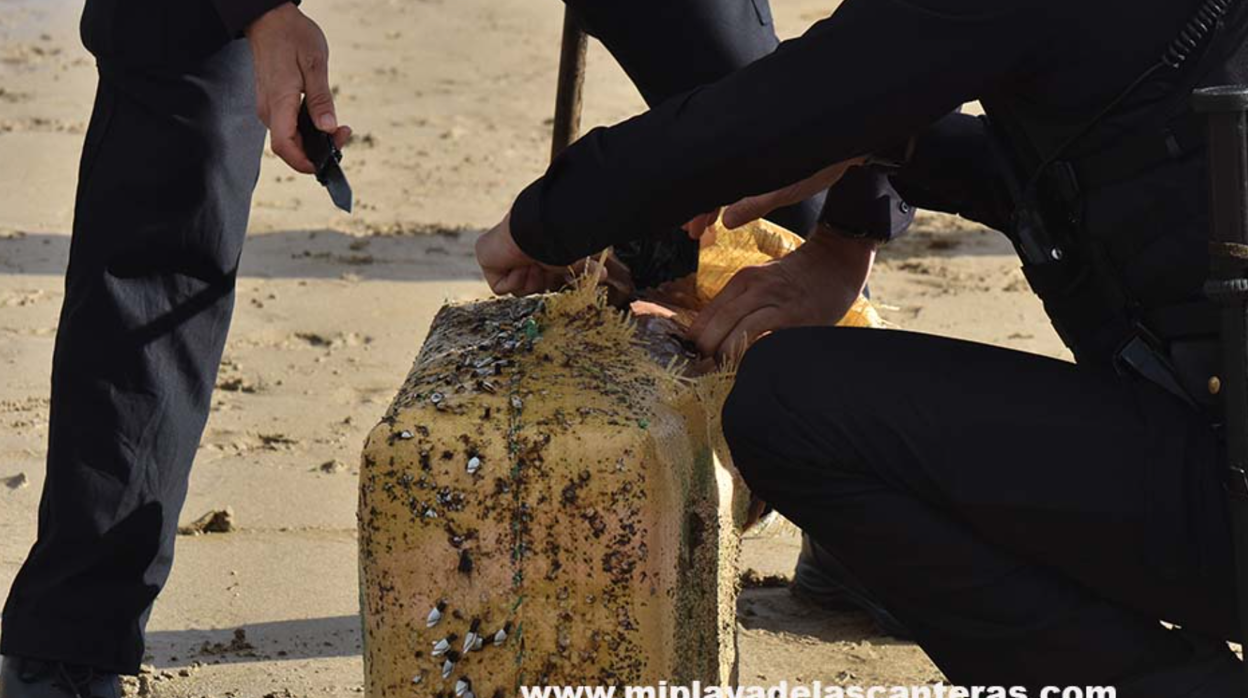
(1135, 154)
(1151, 363)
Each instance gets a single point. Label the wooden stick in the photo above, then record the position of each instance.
(570, 93)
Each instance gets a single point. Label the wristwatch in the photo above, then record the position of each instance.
(863, 205)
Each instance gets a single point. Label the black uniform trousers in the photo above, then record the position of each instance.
(1031, 521)
(169, 164)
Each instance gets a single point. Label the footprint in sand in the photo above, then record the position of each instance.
(231, 442)
(23, 297)
(337, 340)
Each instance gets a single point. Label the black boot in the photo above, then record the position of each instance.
(28, 678)
(822, 580)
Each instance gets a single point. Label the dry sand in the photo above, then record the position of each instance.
(451, 102)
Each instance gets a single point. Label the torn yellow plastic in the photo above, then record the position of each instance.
(726, 251)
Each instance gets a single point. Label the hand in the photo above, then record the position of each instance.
(752, 208)
(292, 58)
(508, 270)
(814, 285)
(697, 227)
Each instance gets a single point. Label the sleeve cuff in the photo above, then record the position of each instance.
(958, 168)
(865, 204)
(237, 14)
(527, 229)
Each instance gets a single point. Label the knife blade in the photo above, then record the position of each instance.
(326, 157)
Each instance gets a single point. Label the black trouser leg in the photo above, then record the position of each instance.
(165, 183)
(1030, 521)
(669, 47)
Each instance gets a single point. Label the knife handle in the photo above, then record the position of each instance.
(318, 145)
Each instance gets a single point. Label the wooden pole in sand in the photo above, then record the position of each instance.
(570, 92)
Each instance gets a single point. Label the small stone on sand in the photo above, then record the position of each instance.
(753, 579)
(216, 521)
(333, 467)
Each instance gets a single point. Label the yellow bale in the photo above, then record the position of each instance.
(546, 504)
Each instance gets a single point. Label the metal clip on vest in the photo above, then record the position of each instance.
(1226, 109)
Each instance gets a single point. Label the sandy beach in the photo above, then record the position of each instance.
(451, 103)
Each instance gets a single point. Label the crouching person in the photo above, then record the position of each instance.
(1032, 522)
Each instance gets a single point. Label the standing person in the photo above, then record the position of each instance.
(171, 157)
(1031, 521)
(670, 47)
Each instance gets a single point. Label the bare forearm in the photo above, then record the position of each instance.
(847, 261)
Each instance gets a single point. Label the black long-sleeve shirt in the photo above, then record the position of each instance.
(668, 47)
(889, 68)
(165, 34)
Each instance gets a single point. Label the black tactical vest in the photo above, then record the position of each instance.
(1115, 239)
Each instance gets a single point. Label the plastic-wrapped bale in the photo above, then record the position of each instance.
(549, 501)
(544, 505)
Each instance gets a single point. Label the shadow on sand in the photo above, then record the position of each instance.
(774, 610)
(285, 640)
(437, 255)
(777, 610)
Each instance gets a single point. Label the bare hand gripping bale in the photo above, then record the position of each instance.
(546, 503)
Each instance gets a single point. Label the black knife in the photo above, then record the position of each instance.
(326, 156)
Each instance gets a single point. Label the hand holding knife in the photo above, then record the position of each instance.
(291, 58)
(326, 157)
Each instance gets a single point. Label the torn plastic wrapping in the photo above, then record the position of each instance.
(673, 306)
